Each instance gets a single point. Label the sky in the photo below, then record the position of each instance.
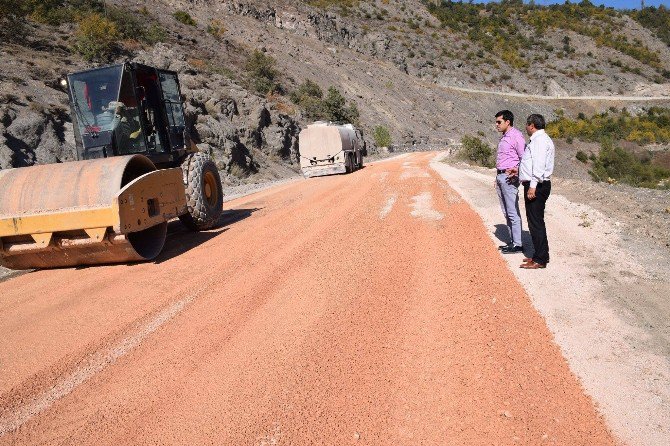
(619, 4)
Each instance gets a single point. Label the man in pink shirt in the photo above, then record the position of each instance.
(510, 151)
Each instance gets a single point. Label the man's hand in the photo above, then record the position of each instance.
(531, 193)
(512, 175)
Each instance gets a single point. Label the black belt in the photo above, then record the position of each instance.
(499, 171)
(541, 182)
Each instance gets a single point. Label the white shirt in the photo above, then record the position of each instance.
(537, 162)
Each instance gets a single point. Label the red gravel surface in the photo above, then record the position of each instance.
(309, 317)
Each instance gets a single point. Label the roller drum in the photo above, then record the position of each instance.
(83, 192)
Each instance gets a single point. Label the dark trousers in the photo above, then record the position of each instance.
(535, 217)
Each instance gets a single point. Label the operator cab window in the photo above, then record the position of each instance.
(128, 130)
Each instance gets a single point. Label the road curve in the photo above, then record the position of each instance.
(514, 94)
(368, 308)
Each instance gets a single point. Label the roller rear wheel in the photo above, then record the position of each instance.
(204, 193)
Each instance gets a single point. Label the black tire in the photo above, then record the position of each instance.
(349, 163)
(204, 193)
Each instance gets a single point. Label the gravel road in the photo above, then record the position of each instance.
(370, 308)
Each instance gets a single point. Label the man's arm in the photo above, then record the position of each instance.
(520, 145)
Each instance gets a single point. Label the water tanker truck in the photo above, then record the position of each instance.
(327, 149)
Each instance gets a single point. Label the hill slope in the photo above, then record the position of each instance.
(397, 61)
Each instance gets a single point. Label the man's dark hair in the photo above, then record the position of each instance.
(536, 120)
(506, 115)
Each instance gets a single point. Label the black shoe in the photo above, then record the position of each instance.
(507, 246)
(512, 249)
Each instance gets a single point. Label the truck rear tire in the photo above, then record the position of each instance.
(204, 193)
(349, 163)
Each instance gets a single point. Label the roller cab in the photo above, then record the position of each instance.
(132, 108)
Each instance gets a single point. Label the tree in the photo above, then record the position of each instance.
(334, 105)
(262, 72)
(309, 96)
(382, 136)
(336, 109)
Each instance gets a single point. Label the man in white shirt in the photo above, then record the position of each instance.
(537, 165)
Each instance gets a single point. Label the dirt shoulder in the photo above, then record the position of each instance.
(605, 294)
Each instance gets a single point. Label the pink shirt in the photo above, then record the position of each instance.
(510, 149)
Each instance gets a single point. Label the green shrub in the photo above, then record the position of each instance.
(309, 97)
(96, 37)
(651, 127)
(476, 150)
(486, 25)
(262, 73)
(613, 162)
(581, 156)
(333, 107)
(216, 28)
(129, 24)
(154, 34)
(308, 89)
(51, 12)
(132, 25)
(337, 110)
(184, 17)
(55, 12)
(655, 19)
(344, 4)
(382, 136)
(313, 109)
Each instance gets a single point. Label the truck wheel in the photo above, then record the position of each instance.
(204, 193)
(349, 164)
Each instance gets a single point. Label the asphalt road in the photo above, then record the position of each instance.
(369, 308)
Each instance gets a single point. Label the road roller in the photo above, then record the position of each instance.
(136, 169)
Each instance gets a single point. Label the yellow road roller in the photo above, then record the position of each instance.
(136, 169)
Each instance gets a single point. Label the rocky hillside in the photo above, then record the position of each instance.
(395, 63)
